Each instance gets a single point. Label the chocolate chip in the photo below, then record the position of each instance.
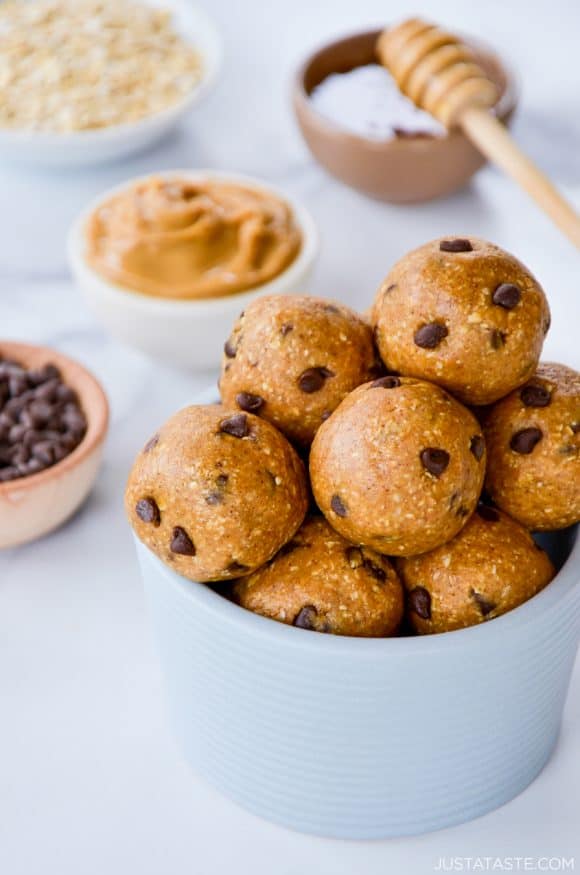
(575, 427)
(488, 513)
(547, 324)
(420, 602)
(44, 452)
(306, 617)
(249, 402)
(534, 395)
(181, 542)
(286, 328)
(354, 557)
(434, 460)
(338, 506)
(236, 426)
(217, 496)
(429, 336)
(389, 382)
(507, 295)
(477, 446)
(459, 244)
(313, 379)
(152, 442)
(525, 440)
(375, 570)
(485, 605)
(148, 511)
(498, 338)
(230, 349)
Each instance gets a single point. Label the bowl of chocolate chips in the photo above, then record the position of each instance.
(53, 423)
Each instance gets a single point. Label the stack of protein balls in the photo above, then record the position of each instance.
(398, 449)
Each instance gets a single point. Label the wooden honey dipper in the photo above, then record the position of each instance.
(442, 76)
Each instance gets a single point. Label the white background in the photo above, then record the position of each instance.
(90, 781)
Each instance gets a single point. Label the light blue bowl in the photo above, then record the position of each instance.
(365, 738)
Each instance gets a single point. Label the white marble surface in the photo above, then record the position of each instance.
(90, 781)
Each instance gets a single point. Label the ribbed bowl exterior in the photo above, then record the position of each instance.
(358, 738)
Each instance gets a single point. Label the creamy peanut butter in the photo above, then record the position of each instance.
(182, 239)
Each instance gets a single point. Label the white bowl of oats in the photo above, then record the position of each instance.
(86, 81)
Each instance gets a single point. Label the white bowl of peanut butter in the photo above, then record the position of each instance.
(167, 262)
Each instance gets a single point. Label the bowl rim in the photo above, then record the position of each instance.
(291, 275)
(302, 102)
(200, 596)
(97, 421)
(201, 33)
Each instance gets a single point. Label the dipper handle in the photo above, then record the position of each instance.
(442, 76)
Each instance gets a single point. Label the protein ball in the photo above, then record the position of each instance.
(533, 438)
(292, 359)
(320, 581)
(492, 566)
(462, 313)
(216, 493)
(399, 466)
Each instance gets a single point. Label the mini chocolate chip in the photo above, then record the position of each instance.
(460, 244)
(498, 338)
(338, 506)
(525, 440)
(152, 442)
(249, 402)
(286, 328)
(485, 605)
(230, 349)
(375, 570)
(181, 542)
(487, 513)
(148, 511)
(306, 617)
(507, 295)
(420, 602)
(313, 379)
(535, 396)
(429, 336)
(389, 382)
(477, 446)
(354, 557)
(547, 324)
(575, 427)
(390, 288)
(454, 498)
(434, 460)
(236, 426)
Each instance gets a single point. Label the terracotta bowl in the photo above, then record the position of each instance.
(404, 169)
(32, 506)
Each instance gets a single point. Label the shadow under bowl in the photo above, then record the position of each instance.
(403, 169)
